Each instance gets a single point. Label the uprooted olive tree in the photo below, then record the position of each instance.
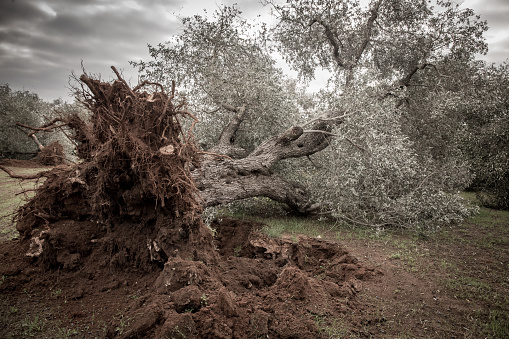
(129, 213)
(139, 168)
(361, 149)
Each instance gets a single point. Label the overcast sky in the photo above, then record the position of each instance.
(42, 42)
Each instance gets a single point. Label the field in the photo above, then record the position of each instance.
(454, 284)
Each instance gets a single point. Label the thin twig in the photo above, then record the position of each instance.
(214, 154)
(354, 144)
(318, 131)
(21, 176)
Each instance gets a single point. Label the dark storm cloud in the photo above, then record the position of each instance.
(19, 12)
(42, 42)
(69, 24)
(13, 36)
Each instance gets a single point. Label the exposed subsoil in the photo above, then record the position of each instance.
(258, 287)
(257, 297)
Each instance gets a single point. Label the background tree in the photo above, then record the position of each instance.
(395, 39)
(21, 115)
(23, 107)
(485, 106)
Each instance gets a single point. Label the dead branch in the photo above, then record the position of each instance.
(48, 127)
(354, 144)
(21, 176)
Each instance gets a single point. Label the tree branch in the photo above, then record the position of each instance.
(368, 31)
(406, 80)
(225, 180)
(226, 142)
(335, 43)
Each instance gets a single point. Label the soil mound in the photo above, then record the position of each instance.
(255, 287)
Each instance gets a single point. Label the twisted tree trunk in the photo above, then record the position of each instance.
(222, 179)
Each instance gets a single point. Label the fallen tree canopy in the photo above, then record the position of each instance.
(131, 208)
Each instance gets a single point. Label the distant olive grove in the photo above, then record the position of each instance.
(27, 108)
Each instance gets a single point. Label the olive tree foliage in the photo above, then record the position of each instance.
(373, 175)
(396, 38)
(396, 67)
(222, 67)
(485, 106)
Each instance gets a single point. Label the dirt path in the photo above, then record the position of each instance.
(454, 285)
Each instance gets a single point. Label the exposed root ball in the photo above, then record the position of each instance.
(134, 177)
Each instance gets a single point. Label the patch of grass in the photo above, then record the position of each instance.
(237, 250)
(12, 197)
(204, 300)
(447, 265)
(66, 332)
(498, 324)
(274, 231)
(56, 292)
(469, 288)
(331, 328)
(410, 251)
(491, 219)
(124, 322)
(31, 327)
(276, 226)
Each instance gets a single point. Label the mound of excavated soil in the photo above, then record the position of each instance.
(256, 286)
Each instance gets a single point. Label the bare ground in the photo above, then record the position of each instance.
(348, 283)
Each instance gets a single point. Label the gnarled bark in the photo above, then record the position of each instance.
(223, 180)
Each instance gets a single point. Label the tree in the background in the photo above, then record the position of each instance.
(394, 39)
(19, 107)
(486, 133)
(23, 116)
